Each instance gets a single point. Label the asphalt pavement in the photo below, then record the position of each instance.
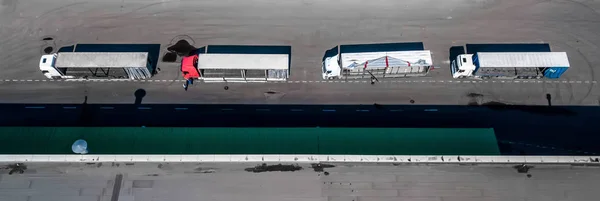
(310, 27)
(334, 182)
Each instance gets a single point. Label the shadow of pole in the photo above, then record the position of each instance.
(139, 95)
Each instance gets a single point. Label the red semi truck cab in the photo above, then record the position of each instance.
(189, 67)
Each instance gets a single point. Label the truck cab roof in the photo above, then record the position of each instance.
(465, 62)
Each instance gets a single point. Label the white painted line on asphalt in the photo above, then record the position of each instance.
(144, 108)
(328, 110)
(226, 109)
(107, 108)
(430, 110)
(362, 110)
(263, 110)
(305, 159)
(69, 107)
(396, 110)
(180, 108)
(35, 107)
(321, 81)
(296, 110)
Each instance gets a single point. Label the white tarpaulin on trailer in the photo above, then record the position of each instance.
(522, 59)
(102, 60)
(386, 59)
(244, 61)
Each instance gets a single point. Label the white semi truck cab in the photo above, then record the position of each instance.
(331, 68)
(48, 68)
(463, 66)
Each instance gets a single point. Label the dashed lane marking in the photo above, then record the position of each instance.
(335, 81)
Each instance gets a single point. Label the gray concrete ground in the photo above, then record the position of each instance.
(345, 182)
(311, 27)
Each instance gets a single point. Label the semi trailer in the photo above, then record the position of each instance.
(510, 65)
(215, 65)
(374, 63)
(96, 65)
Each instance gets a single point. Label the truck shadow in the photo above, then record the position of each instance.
(454, 52)
(382, 47)
(508, 47)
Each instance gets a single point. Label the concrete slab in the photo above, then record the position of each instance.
(229, 181)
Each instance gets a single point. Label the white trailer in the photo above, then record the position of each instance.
(96, 65)
(510, 65)
(243, 67)
(387, 64)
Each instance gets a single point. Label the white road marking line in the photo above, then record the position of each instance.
(35, 107)
(69, 107)
(107, 108)
(321, 81)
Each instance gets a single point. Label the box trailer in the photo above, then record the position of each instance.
(96, 65)
(243, 67)
(510, 65)
(385, 64)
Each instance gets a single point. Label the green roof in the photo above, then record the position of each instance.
(326, 141)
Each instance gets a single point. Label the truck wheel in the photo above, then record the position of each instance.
(331, 78)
